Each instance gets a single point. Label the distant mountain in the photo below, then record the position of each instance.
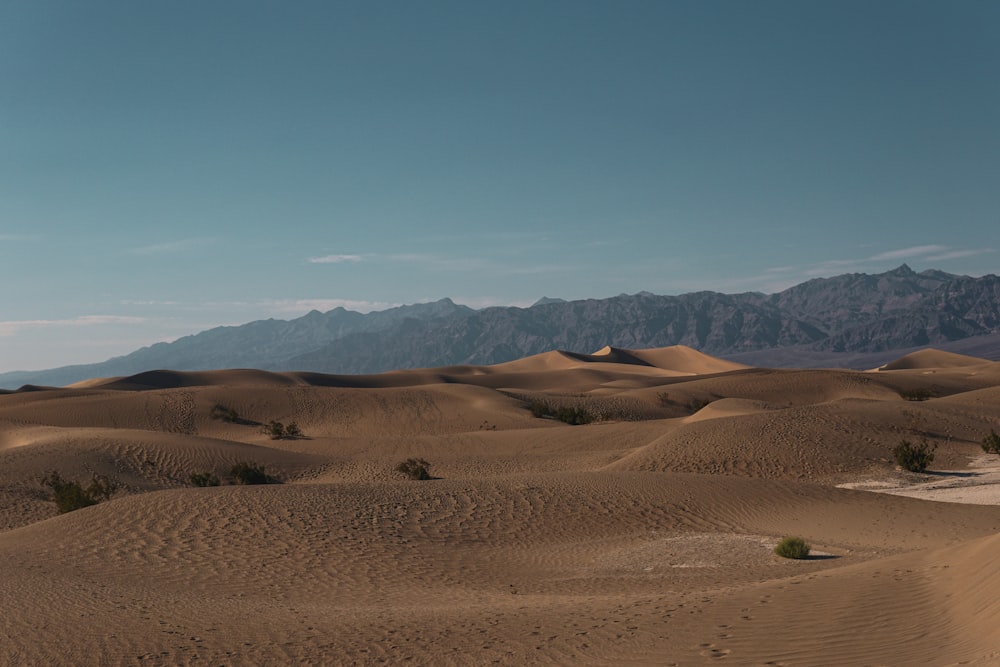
(547, 300)
(260, 344)
(852, 320)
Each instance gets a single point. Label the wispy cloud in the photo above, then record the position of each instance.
(478, 302)
(335, 259)
(139, 302)
(431, 261)
(908, 253)
(168, 247)
(11, 327)
(301, 306)
(959, 254)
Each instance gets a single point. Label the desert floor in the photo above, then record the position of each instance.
(642, 538)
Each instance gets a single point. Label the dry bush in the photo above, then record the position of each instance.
(204, 479)
(991, 443)
(914, 457)
(415, 469)
(247, 473)
(71, 495)
(792, 547)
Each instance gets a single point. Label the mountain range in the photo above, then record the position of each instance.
(853, 320)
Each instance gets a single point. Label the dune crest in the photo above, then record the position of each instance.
(676, 359)
(931, 358)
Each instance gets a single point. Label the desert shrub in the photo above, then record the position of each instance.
(792, 547)
(249, 473)
(222, 413)
(918, 394)
(539, 409)
(415, 469)
(278, 431)
(573, 416)
(274, 429)
(696, 404)
(664, 399)
(991, 443)
(70, 495)
(913, 457)
(204, 479)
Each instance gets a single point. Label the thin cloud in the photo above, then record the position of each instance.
(479, 302)
(131, 302)
(299, 306)
(167, 247)
(335, 259)
(933, 253)
(11, 327)
(960, 254)
(908, 253)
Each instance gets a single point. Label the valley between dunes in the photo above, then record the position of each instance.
(642, 538)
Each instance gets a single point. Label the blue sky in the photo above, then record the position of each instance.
(166, 167)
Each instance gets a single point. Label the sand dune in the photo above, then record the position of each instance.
(931, 358)
(642, 538)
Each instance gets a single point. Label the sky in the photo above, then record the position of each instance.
(168, 167)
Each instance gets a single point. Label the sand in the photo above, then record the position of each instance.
(642, 538)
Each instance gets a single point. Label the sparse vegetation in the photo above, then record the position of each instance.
(664, 399)
(204, 479)
(222, 413)
(914, 457)
(247, 473)
(278, 431)
(991, 443)
(569, 415)
(71, 495)
(918, 394)
(792, 547)
(415, 468)
(696, 404)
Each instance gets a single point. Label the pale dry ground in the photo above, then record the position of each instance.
(642, 539)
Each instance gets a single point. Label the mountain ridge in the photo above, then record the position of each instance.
(851, 316)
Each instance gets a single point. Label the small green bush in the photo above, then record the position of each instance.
(914, 457)
(274, 429)
(71, 495)
(918, 394)
(204, 479)
(792, 547)
(278, 431)
(415, 469)
(539, 409)
(249, 473)
(572, 416)
(991, 443)
(222, 413)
